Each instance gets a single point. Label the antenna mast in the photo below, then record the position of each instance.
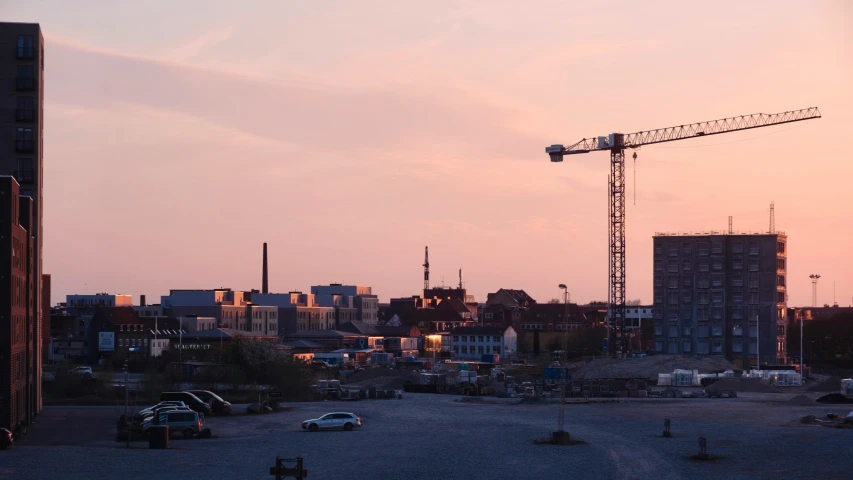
(426, 268)
(730, 225)
(772, 218)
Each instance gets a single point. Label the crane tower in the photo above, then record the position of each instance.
(616, 143)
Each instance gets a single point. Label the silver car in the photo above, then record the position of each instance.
(332, 421)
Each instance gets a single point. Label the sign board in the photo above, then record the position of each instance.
(106, 341)
(275, 394)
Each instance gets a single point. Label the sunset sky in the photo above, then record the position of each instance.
(179, 136)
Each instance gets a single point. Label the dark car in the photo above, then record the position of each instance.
(219, 406)
(195, 403)
(5, 439)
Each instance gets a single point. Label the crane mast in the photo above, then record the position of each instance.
(616, 143)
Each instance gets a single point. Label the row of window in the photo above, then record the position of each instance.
(480, 349)
(705, 331)
(132, 342)
(703, 348)
(480, 338)
(716, 265)
(557, 326)
(715, 280)
(716, 247)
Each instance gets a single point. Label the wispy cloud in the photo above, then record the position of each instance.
(193, 47)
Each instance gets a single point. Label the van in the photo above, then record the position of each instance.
(187, 422)
(189, 399)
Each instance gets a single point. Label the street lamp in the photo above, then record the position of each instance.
(815, 278)
(564, 373)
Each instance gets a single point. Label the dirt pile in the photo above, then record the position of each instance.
(649, 367)
(801, 401)
(753, 385)
(834, 398)
(831, 384)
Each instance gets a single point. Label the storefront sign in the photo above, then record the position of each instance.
(192, 346)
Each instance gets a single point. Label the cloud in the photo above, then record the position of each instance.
(208, 39)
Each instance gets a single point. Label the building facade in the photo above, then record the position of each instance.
(721, 294)
(473, 342)
(83, 302)
(21, 141)
(17, 333)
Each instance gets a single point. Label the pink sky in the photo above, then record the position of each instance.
(349, 135)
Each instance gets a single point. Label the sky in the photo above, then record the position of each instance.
(180, 136)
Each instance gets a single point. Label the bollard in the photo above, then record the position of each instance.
(666, 432)
(703, 448)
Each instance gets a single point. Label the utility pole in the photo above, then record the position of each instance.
(127, 421)
(564, 373)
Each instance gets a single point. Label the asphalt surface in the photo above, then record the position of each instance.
(426, 436)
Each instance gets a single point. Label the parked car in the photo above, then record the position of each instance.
(330, 421)
(177, 403)
(189, 399)
(5, 439)
(217, 404)
(85, 371)
(187, 422)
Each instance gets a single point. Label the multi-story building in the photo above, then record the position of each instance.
(21, 142)
(473, 342)
(90, 302)
(364, 300)
(45, 315)
(17, 332)
(298, 312)
(721, 294)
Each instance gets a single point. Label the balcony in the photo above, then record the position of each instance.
(25, 115)
(25, 84)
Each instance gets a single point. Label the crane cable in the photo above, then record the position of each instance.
(635, 178)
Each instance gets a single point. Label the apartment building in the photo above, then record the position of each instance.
(473, 342)
(364, 301)
(721, 294)
(21, 141)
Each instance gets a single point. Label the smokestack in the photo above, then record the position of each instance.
(265, 282)
(142, 300)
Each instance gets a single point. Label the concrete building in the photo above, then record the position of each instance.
(45, 314)
(473, 342)
(193, 323)
(21, 142)
(364, 301)
(83, 302)
(721, 294)
(18, 402)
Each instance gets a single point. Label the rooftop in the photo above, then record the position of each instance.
(709, 233)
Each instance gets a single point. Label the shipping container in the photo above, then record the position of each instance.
(490, 358)
(401, 343)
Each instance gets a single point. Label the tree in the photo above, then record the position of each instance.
(635, 302)
(536, 349)
(555, 300)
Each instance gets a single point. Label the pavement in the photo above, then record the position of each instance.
(431, 436)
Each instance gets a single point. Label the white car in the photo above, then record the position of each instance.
(330, 421)
(83, 371)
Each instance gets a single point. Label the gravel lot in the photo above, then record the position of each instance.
(426, 436)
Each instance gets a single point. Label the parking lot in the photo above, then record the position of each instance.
(426, 436)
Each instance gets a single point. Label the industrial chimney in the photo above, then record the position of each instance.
(265, 282)
(142, 300)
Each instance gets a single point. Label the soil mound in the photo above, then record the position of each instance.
(834, 398)
(649, 367)
(753, 385)
(831, 384)
(801, 401)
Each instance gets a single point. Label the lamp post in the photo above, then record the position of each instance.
(815, 278)
(564, 369)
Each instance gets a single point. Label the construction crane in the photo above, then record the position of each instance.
(616, 143)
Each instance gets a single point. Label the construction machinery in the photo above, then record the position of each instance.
(616, 144)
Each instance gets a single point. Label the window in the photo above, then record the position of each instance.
(25, 112)
(717, 330)
(480, 339)
(672, 282)
(737, 346)
(753, 298)
(737, 264)
(686, 297)
(673, 332)
(780, 297)
(687, 265)
(673, 298)
(658, 330)
(780, 247)
(24, 140)
(780, 280)
(702, 332)
(753, 281)
(658, 265)
(24, 81)
(658, 248)
(753, 248)
(464, 338)
(496, 338)
(687, 331)
(737, 314)
(716, 247)
(704, 282)
(704, 298)
(496, 349)
(25, 46)
(464, 348)
(658, 346)
(717, 281)
(737, 297)
(685, 347)
(702, 348)
(753, 264)
(120, 342)
(672, 266)
(702, 249)
(753, 331)
(717, 264)
(703, 266)
(672, 250)
(717, 346)
(480, 349)
(737, 247)
(686, 282)
(737, 280)
(687, 248)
